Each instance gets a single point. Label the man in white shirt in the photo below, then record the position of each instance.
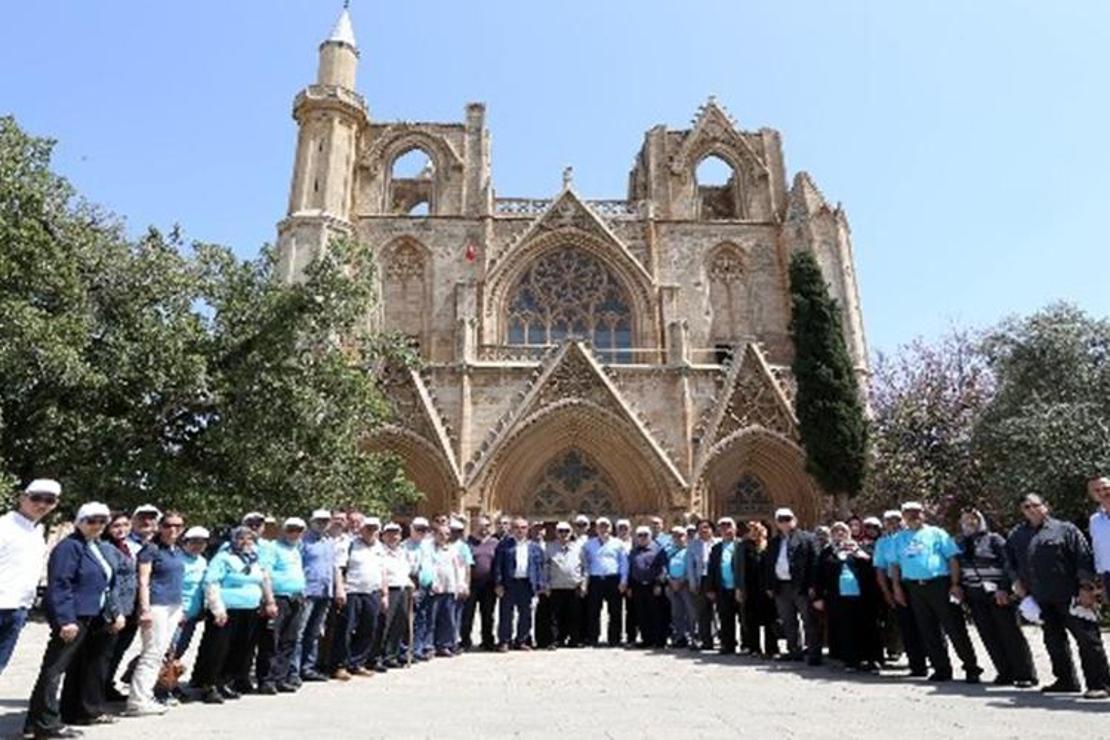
(367, 590)
(697, 567)
(22, 551)
(1099, 489)
(398, 576)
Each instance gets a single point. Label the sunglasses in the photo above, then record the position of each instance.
(641, 536)
(43, 498)
(97, 520)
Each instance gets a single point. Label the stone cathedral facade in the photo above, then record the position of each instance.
(623, 356)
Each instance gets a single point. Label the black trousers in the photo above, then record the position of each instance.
(856, 624)
(1092, 655)
(936, 618)
(356, 628)
(224, 655)
(726, 616)
(911, 638)
(545, 635)
(281, 642)
(396, 627)
(124, 638)
(482, 599)
(79, 660)
(565, 611)
(603, 590)
(1001, 634)
(755, 623)
(648, 619)
(704, 608)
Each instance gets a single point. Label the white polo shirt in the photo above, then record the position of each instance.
(366, 567)
(22, 551)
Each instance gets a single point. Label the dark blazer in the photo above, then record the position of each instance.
(126, 586)
(504, 563)
(713, 571)
(755, 588)
(76, 583)
(801, 552)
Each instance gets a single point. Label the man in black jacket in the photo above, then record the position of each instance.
(790, 575)
(1054, 565)
(724, 582)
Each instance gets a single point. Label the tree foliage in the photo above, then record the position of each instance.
(1047, 429)
(140, 370)
(925, 402)
(830, 411)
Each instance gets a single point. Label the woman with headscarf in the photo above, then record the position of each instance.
(758, 614)
(986, 585)
(235, 586)
(83, 616)
(845, 580)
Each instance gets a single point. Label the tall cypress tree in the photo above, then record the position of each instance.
(830, 410)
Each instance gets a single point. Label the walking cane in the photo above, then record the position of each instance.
(410, 599)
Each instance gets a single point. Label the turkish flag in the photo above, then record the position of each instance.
(471, 253)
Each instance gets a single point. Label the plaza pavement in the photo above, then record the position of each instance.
(603, 693)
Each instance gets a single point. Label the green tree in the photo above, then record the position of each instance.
(830, 411)
(1047, 429)
(926, 400)
(139, 370)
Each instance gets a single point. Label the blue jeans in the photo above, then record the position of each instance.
(518, 598)
(443, 620)
(183, 637)
(306, 654)
(422, 622)
(11, 624)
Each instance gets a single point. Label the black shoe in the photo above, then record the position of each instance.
(939, 677)
(919, 672)
(814, 661)
(971, 675)
(244, 687)
(62, 731)
(1059, 687)
(267, 689)
(100, 719)
(287, 688)
(1002, 680)
(212, 695)
(313, 676)
(228, 692)
(1025, 683)
(114, 695)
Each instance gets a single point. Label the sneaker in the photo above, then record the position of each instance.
(267, 689)
(341, 674)
(359, 671)
(145, 710)
(1094, 694)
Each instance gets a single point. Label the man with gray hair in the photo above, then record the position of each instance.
(566, 582)
(791, 571)
(519, 575)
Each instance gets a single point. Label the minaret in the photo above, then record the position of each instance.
(330, 117)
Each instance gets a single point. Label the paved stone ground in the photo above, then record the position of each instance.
(603, 693)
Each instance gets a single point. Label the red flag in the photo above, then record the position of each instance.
(471, 253)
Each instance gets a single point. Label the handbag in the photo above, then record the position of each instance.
(170, 672)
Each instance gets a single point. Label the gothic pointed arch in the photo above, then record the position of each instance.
(731, 303)
(753, 471)
(406, 275)
(425, 466)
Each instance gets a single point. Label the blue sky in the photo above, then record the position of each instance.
(967, 140)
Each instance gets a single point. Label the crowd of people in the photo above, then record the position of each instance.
(344, 595)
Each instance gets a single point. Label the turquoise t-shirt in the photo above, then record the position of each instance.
(884, 552)
(240, 584)
(676, 564)
(849, 584)
(287, 570)
(923, 553)
(728, 575)
(466, 555)
(192, 591)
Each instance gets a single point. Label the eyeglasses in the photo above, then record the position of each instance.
(43, 498)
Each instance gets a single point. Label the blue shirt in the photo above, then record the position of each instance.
(676, 563)
(848, 583)
(420, 556)
(287, 573)
(167, 572)
(240, 585)
(192, 586)
(318, 561)
(606, 559)
(884, 556)
(728, 575)
(923, 553)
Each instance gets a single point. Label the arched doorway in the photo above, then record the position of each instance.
(424, 466)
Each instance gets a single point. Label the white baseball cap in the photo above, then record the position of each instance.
(726, 520)
(642, 529)
(872, 521)
(91, 509)
(293, 522)
(44, 485)
(582, 519)
(458, 524)
(678, 530)
(372, 521)
(913, 506)
(892, 514)
(420, 522)
(196, 533)
(147, 509)
(784, 513)
(623, 523)
(604, 520)
(324, 514)
(391, 527)
(253, 515)
(562, 527)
